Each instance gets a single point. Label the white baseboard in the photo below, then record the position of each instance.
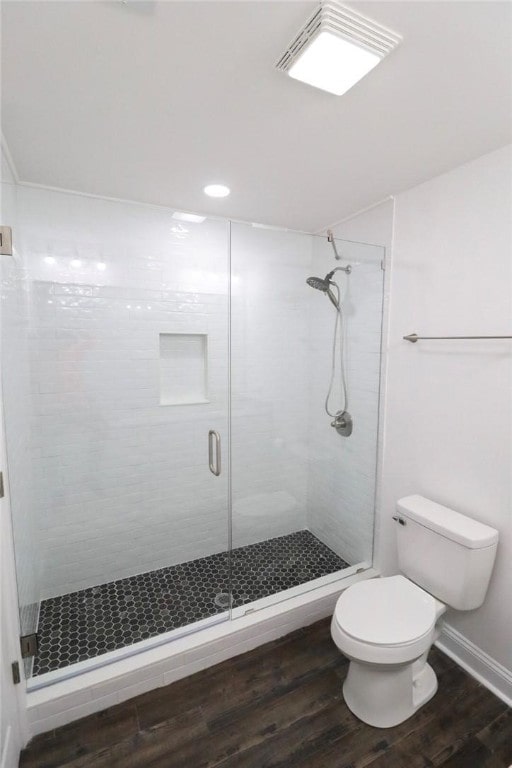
(92, 691)
(5, 748)
(479, 664)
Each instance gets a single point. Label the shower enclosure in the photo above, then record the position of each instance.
(170, 460)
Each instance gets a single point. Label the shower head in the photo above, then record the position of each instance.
(323, 284)
(320, 283)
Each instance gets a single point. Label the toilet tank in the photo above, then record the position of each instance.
(446, 553)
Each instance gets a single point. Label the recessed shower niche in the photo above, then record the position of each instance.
(183, 368)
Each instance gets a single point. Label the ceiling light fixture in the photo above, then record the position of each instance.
(216, 190)
(336, 48)
(192, 217)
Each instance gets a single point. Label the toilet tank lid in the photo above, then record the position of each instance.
(448, 523)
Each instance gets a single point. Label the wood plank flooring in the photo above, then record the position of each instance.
(279, 706)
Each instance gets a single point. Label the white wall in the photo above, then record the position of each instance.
(449, 406)
(447, 416)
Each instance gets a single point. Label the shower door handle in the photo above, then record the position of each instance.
(215, 467)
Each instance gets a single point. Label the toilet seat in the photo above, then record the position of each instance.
(384, 621)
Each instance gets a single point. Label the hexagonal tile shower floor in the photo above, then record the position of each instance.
(93, 621)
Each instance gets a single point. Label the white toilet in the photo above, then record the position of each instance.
(387, 626)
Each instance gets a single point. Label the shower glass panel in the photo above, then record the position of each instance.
(171, 462)
(115, 335)
(15, 311)
(303, 496)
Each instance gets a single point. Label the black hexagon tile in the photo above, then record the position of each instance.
(85, 624)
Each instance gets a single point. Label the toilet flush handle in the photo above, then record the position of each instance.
(399, 520)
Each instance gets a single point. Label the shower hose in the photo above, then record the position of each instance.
(338, 328)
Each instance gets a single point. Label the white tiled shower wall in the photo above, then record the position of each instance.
(121, 482)
(342, 471)
(120, 479)
(290, 466)
(270, 368)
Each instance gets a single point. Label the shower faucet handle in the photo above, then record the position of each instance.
(342, 423)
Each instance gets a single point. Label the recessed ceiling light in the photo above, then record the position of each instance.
(192, 217)
(49, 259)
(336, 48)
(216, 190)
(76, 263)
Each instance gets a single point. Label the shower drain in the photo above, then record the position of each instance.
(223, 600)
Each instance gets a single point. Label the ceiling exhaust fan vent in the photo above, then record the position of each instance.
(343, 22)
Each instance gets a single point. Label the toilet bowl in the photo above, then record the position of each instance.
(386, 628)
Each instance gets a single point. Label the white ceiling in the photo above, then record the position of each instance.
(150, 101)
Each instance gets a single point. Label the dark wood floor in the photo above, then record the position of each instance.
(280, 706)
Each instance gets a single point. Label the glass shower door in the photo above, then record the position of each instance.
(273, 551)
(14, 313)
(117, 424)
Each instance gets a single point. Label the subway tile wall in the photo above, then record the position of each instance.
(121, 483)
(270, 364)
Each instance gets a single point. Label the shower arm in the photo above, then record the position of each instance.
(347, 270)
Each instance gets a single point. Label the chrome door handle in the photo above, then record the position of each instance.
(216, 467)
